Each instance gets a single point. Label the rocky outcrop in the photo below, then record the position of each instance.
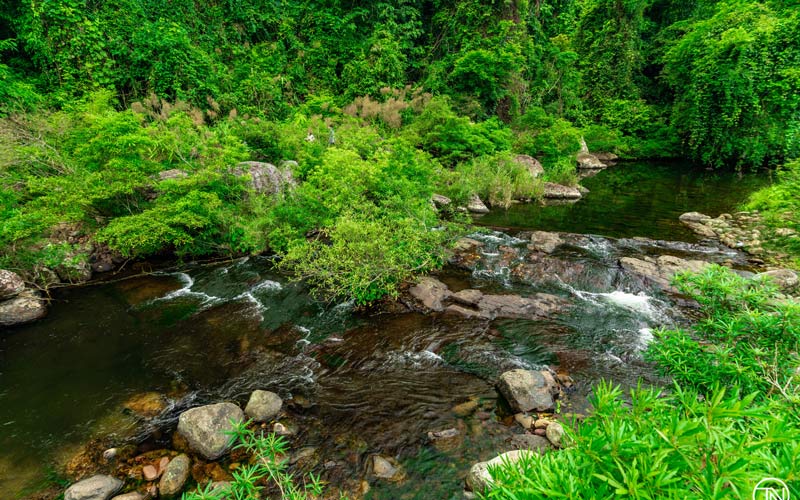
(785, 279)
(204, 428)
(175, 476)
(476, 205)
(466, 254)
(263, 406)
(480, 480)
(742, 230)
(440, 201)
(97, 487)
(25, 307)
(543, 241)
(532, 164)
(266, 178)
(434, 296)
(558, 191)
(528, 390)
(586, 160)
(606, 157)
(11, 284)
(660, 270)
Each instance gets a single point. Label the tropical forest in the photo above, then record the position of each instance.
(399, 249)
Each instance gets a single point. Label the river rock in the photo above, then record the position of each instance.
(149, 472)
(468, 297)
(133, 495)
(476, 205)
(27, 306)
(555, 434)
(11, 284)
(558, 191)
(530, 442)
(263, 406)
(532, 164)
(543, 241)
(99, 487)
(266, 178)
(171, 174)
(588, 161)
(660, 270)
(511, 306)
(785, 279)
(175, 476)
(606, 157)
(479, 479)
(440, 201)
(466, 254)
(525, 421)
(528, 390)
(146, 404)
(204, 428)
(698, 223)
(386, 468)
(430, 292)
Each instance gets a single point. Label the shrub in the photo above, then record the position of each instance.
(780, 208)
(496, 178)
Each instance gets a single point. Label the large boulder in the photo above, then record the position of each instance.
(430, 292)
(588, 161)
(27, 306)
(558, 191)
(785, 279)
(532, 164)
(528, 390)
(476, 206)
(263, 406)
(266, 178)
(204, 428)
(699, 224)
(10, 284)
(175, 476)
(660, 270)
(543, 241)
(97, 487)
(479, 479)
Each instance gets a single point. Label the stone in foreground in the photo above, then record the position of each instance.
(97, 487)
(479, 479)
(263, 406)
(204, 428)
(175, 476)
(10, 284)
(24, 308)
(528, 390)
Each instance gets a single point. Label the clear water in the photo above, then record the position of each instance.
(636, 199)
(360, 384)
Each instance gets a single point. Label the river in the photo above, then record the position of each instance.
(355, 383)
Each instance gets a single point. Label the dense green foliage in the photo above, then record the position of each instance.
(97, 99)
(779, 206)
(729, 421)
(267, 471)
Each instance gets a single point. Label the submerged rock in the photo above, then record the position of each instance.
(530, 442)
(528, 390)
(543, 241)
(175, 476)
(146, 404)
(11, 284)
(27, 306)
(480, 480)
(99, 487)
(386, 468)
(204, 428)
(263, 406)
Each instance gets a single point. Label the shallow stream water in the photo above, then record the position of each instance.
(356, 384)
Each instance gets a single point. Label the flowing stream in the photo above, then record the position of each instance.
(355, 384)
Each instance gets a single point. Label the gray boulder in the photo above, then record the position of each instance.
(430, 292)
(507, 306)
(558, 191)
(476, 206)
(204, 428)
(440, 201)
(97, 487)
(266, 178)
(133, 495)
(263, 406)
(528, 390)
(175, 476)
(785, 279)
(532, 164)
(555, 434)
(543, 241)
(10, 284)
(24, 308)
(479, 479)
(588, 161)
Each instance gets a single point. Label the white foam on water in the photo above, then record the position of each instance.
(268, 285)
(206, 300)
(645, 337)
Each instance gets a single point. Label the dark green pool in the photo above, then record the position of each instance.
(636, 199)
